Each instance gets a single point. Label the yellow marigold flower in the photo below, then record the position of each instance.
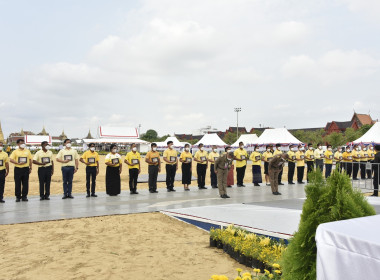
(238, 278)
(256, 270)
(215, 277)
(223, 277)
(239, 270)
(270, 276)
(247, 274)
(277, 271)
(266, 271)
(276, 265)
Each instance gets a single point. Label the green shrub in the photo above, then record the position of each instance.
(326, 201)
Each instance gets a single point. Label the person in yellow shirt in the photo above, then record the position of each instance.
(347, 161)
(256, 166)
(44, 159)
(278, 151)
(328, 161)
(267, 156)
(186, 158)
(319, 157)
(22, 159)
(70, 160)
(153, 160)
(338, 156)
(355, 162)
(201, 158)
(4, 170)
(363, 161)
(133, 160)
(171, 159)
(212, 157)
(291, 163)
(309, 157)
(91, 159)
(300, 158)
(371, 158)
(9, 150)
(241, 157)
(113, 171)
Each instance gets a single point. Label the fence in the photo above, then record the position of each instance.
(362, 174)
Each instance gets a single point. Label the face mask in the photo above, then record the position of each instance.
(154, 149)
(241, 147)
(187, 149)
(257, 149)
(268, 150)
(302, 148)
(201, 148)
(228, 151)
(171, 147)
(348, 150)
(1, 148)
(214, 150)
(371, 148)
(365, 149)
(47, 147)
(320, 147)
(114, 150)
(92, 149)
(329, 149)
(357, 149)
(340, 150)
(22, 146)
(278, 149)
(134, 149)
(294, 149)
(68, 145)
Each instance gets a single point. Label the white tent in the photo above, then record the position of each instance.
(37, 139)
(118, 132)
(177, 144)
(209, 140)
(247, 139)
(276, 135)
(372, 136)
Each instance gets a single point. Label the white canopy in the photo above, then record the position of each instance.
(36, 139)
(276, 135)
(211, 139)
(118, 132)
(247, 139)
(371, 136)
(115, 140)
(176, 142)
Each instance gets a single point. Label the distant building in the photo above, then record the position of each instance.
(356, 122)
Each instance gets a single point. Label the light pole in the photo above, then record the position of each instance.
(237, 110)
(139, 130)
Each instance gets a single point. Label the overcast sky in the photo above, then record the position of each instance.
(176, 66)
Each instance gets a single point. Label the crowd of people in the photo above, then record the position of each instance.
(222, 166)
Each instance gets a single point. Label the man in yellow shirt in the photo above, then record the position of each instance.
(153, 160)
(201, 158)
(133, 159)
(275, 153)
(91, 159)
(347, 161)
(267, 156)
(338, 156)
(291, 163)
(328, 161)
(300, 158)
(355, 162)
(319, 157)
(241, 157)
(170, 156)
(9, 150)
(4, 170)
(44, 159)
(363, 162)
(309, 157)
(212, 157)
(70, 160)
(22, 159)
(256, 167)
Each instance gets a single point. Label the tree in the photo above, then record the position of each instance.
(326, 201)
(350, 135)
(363, 130)
(150, 136)
(335, 139)
(230, 138)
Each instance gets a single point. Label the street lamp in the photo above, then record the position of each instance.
(237, 110)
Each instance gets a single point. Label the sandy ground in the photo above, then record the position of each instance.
(138, 246)
(79, 184)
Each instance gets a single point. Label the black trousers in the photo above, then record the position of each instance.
(300, 172)
(319, 164)
(291, 168)
(214, 181)
(21, 176)
(171, 169)
(153, 174)
(347, 166)
(90, 176)
(280, 176)
(310, 168)
(355, 169)
(376, 182)
(328, 170)
(44, 177)
(201, 173)
(362, 169)
(240, 173)
(2, 183)
(133, 176)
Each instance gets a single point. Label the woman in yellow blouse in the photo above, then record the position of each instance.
(347, 161)
(267, 156)
(113, 171)
(186, 158)
(256, 166)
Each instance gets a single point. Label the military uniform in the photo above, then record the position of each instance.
(222, 167)
(275, 167)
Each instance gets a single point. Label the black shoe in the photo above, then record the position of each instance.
(222, 196)
(355, 179)
(238, 186)
(70, 196)
(2, 201)
(268, 184)
(226, 196)
(135, 192)
(42, 198)
(24, 199)
(88, 195)
(256, 185)
(202, 188)
(229, 186)
(94, 195)
(173, 190)
(274, 193)
(187, 189)
(278, 193)
(153, 191)
(242, 186)
(169, 190)
(18, 200)
(47, 198)
(291, 183)
(64, 196)
(301, 182)
(280, 184)
(214, 187)
(374, 195)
